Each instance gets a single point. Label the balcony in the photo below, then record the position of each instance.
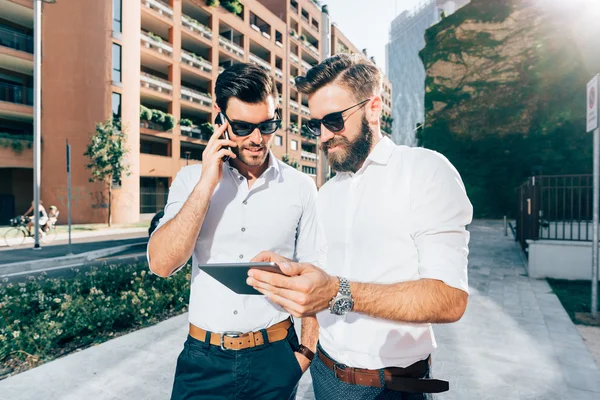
(16, 94)
(16, 40)
(195, 132)
(278, 73)
(196, 61)
(151, 42)
(156, 84)
(305, 19)
(16, 151)
(159, 7)
(292, 81)
(294, 105)
(305, 111)
(294, 9)
(387, 108)
(294, 58)
(231, 47)
(196, 27)
(313, 50)
(306, 65)
(195, 96)
(308, 156)
(260, 62)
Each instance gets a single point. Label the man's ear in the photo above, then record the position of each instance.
(374, 108)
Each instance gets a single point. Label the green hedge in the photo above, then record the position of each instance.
(43, 318)
(167, 120)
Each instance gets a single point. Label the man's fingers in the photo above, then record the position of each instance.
(263, 256)
(220, 129)
(297, 298)
(225, 152)
(289, 305)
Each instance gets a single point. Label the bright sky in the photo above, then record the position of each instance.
(366, 25)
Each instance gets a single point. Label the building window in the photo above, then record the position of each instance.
(294, 145)
(116, 106)
(278, 37)
(117, 11)
(278, 140)
(116, 63)
(309, 170)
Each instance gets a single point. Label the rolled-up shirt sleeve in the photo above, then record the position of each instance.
(440, 211)
(178, 195)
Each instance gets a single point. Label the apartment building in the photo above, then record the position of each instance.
(152, 65)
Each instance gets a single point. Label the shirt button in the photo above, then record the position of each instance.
(234, 312)
(244, 202)
(243, 229)
(241, 178)
(241, 256)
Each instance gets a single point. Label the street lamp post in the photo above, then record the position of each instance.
(37, 113)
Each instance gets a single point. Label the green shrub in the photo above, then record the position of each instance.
(145, 113)
(170, 122)
(44, 318)
(155, 37)
(17, 146)
(303, 37)
(212, 3)
(158, 116)
(207, 128)
(233, 6)
(186, 122)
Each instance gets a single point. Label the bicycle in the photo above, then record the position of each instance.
(17, 235)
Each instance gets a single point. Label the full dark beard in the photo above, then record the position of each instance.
(352, 154)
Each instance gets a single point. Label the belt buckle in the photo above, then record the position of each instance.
(231, 334)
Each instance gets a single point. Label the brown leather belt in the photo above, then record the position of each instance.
(232, 340)
(396, 379)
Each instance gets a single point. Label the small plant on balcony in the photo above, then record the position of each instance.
(303, 38)
(207, 130)
(212, 3)
(292, 163)
(145, 113)
(170, 122)
(233, 6)
(106, 152)
(156, 38)
(158, 116)
(294, 127)
(16, 142)
(186, 122)
(293, 32)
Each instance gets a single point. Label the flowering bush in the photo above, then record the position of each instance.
(42, 318)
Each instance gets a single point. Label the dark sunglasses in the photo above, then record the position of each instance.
(241, 128)
(333, 122)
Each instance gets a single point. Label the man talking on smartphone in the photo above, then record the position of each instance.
(239, 346)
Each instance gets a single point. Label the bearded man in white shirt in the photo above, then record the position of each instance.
(394, 220)
(227, 211)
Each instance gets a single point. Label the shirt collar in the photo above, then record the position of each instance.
(382, 152)
(273, 165)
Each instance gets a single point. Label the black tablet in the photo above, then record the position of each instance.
(234, 275)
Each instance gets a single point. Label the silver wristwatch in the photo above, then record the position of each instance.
(342, 303)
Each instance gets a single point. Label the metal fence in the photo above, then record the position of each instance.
(16, 94)
(16, 40)
(555, 207)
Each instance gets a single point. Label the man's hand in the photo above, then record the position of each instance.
(269, 256)
(212, 157)
(303, 361)
(303, 291)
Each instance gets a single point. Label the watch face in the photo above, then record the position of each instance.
(342, 305)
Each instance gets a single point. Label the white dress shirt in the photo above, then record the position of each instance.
(278, 213)
(400, 218)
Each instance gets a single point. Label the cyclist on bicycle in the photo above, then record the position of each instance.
(43, 217)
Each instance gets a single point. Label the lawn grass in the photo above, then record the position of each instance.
(575, 296)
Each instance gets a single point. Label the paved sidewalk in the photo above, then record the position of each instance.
(515, 342)
(77, 236)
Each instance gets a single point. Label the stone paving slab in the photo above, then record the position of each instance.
(515, 341)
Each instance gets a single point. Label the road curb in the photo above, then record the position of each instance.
(32, 266)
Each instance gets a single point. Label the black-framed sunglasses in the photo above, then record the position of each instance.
(241, 128)
(333, 121)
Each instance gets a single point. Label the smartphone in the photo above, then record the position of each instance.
(220, 121)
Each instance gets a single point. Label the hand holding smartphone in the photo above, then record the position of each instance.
(220, 121)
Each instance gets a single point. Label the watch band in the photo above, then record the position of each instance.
(344, 287)
(306, 352)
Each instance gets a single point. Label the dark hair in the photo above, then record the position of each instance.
(354, 71)
(245, 82)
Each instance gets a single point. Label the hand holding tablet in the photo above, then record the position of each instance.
(234, 275)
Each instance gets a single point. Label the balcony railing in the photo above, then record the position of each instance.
(305, 19)
(294, 105)
(292, 81)
(195, 96)
(155, 83)
(196, 26)
(16, 40)
(16, 94)
(151, 43)
(312, 49)
(195, 133)
(294, 58)
(260, 62)
(231, 47)
(278, 73)
(309, 156)
(306, 65)
(294, 9)
(195, 61)
(159, 7)
(305, 110)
